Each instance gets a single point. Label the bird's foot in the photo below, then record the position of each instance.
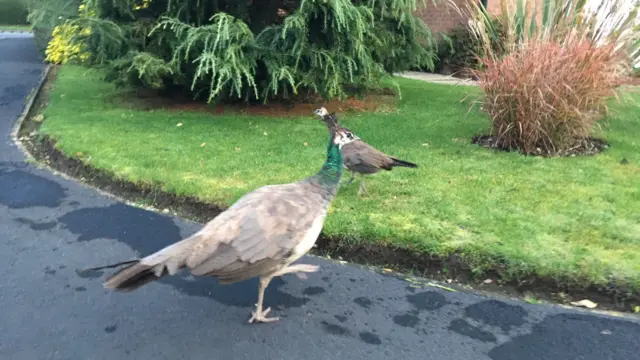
(261, 316)
(299, 270)
(304, 268)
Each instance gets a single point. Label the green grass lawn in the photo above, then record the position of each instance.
(570, 219)
(15, 27)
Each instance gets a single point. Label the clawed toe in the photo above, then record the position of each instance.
(262, 317)
(307, 268)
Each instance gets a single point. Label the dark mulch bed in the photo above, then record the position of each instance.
(583, 147)
(144, 99)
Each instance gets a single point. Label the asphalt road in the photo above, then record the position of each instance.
(50, 226)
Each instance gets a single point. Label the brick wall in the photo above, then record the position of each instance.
(442, 18)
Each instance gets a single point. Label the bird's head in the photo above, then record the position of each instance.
(330, 121)
(321, 111)
(341, 137)
(350, 135)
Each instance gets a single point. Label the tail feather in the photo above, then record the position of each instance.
(133, 276)
(398, 162)
(167, 261)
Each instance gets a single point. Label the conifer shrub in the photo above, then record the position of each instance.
(253, 50)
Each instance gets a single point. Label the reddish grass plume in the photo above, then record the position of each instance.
(547, 96)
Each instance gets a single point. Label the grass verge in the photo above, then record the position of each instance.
(567, 223)
(15, 28)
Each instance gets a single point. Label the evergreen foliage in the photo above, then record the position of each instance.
(13, 12)
(45, 15)
(252, 50)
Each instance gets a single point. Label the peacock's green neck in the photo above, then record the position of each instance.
(330, 173)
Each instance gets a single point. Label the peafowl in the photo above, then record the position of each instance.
(260, 235)
(360, 157)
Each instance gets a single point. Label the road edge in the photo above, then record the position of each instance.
(31, 98)
(326, 251)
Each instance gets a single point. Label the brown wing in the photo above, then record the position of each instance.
(257, 234)
(364, 158)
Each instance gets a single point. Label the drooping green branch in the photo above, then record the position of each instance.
(257, 49)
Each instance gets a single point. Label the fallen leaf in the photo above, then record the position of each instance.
(179, 124)
(584, 303)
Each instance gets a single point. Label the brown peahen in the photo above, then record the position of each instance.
(360, 157)
(260, 235)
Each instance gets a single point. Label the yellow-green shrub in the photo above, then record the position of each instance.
(62, 49)
(144, 5)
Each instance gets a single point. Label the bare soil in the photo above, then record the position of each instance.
(384, 100)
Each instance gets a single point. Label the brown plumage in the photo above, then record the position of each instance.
(260, 235)
(360, 157)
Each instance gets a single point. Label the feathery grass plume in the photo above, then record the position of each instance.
(548, 86)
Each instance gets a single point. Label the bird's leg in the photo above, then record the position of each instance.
(259, 315)
(353, 176)
(362, 188)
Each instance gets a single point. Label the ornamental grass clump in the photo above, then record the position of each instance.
(546, 96)
(547, 88)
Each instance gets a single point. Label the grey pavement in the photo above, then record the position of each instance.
(437, 78)
(51, 226)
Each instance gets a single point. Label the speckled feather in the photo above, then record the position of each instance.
(364, 158)
(260, 233)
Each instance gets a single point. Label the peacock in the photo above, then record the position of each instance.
(260, 235)
(360, 157)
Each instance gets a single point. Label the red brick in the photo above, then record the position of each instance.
(441, 17)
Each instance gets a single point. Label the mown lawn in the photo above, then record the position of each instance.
(570, 219)
(12, 28)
